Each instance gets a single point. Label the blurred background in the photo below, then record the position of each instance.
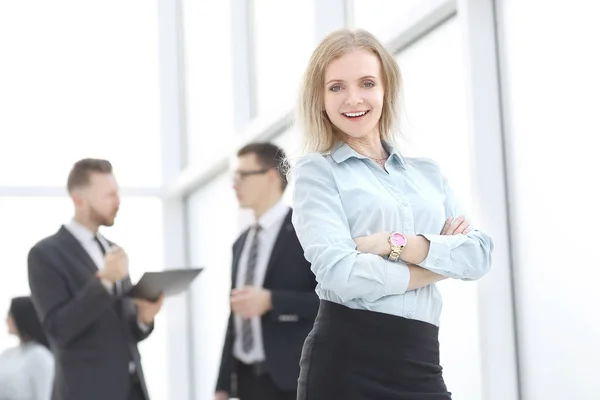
(503, 94)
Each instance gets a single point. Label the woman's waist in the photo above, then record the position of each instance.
(384, 334)
(423, 305)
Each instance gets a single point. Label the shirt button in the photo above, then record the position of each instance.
(405, 203)
(437, 262)
(409, 314)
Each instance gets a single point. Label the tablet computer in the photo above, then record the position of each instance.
(170, 282)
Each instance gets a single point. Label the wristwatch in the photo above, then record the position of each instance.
(397, 242)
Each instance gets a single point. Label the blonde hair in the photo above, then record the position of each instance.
(317, 132)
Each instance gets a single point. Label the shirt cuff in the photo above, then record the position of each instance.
(144, 328)
(397, 278)
(438, 259)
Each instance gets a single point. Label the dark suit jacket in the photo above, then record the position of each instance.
(92, 333)
(286, 325)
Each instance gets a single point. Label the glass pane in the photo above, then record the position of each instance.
(284, 34)
(138, 230)
(79, 79)
(434, 126)
(208, 72)
(213, 229)
(380, 17)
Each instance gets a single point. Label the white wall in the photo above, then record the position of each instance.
(550, 83)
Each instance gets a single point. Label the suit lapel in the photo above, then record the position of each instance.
(237, 253)
(73, 245)
(287, 229)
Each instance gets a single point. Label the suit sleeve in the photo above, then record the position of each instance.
(64, 316)
(224, 378)
(140, 330)
(295, 305)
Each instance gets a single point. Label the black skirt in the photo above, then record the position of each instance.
(365, 355)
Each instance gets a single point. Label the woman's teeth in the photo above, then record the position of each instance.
(355, 114)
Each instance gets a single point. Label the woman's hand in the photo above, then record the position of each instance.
(458, 226)
(376, 243)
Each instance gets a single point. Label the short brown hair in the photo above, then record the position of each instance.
(80, 173)
(269, 156)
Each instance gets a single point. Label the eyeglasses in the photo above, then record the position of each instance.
(239, 176)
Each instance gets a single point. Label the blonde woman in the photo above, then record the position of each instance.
(379, 230)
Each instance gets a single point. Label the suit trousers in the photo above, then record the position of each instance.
(256, 384)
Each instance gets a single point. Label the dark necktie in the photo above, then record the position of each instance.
(117, 285)
(247, 334)
(102, 249)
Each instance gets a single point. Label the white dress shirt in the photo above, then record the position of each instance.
(86, 238)
(26, 373)
(271, 223)
(344, 195)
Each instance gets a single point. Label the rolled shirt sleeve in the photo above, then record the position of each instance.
(466, 257)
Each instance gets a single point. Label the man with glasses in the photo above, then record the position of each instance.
(273, 300)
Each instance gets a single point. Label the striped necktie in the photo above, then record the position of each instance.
(247, 334)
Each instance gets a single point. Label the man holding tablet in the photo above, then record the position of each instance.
(79, 283)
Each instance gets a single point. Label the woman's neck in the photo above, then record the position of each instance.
(370, 146)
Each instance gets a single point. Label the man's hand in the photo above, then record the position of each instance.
(147, 310)
(377, 243)
(250, 301)
(458, 226)
(221, 395)
(116, 265)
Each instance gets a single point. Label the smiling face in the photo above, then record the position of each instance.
(354, 93)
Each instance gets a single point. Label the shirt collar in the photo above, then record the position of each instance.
(81, 232)
(342, 151)
(274, 214)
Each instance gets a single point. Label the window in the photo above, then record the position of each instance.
(75, 87)
(434, 85)
(212, 215)
(138, 230)
(380, 17)
(208, 74)
(434, 126)
(284, 37)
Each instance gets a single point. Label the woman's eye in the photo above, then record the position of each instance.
(369, 84)
(335, 88)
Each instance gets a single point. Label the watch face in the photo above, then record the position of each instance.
(398, 239)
